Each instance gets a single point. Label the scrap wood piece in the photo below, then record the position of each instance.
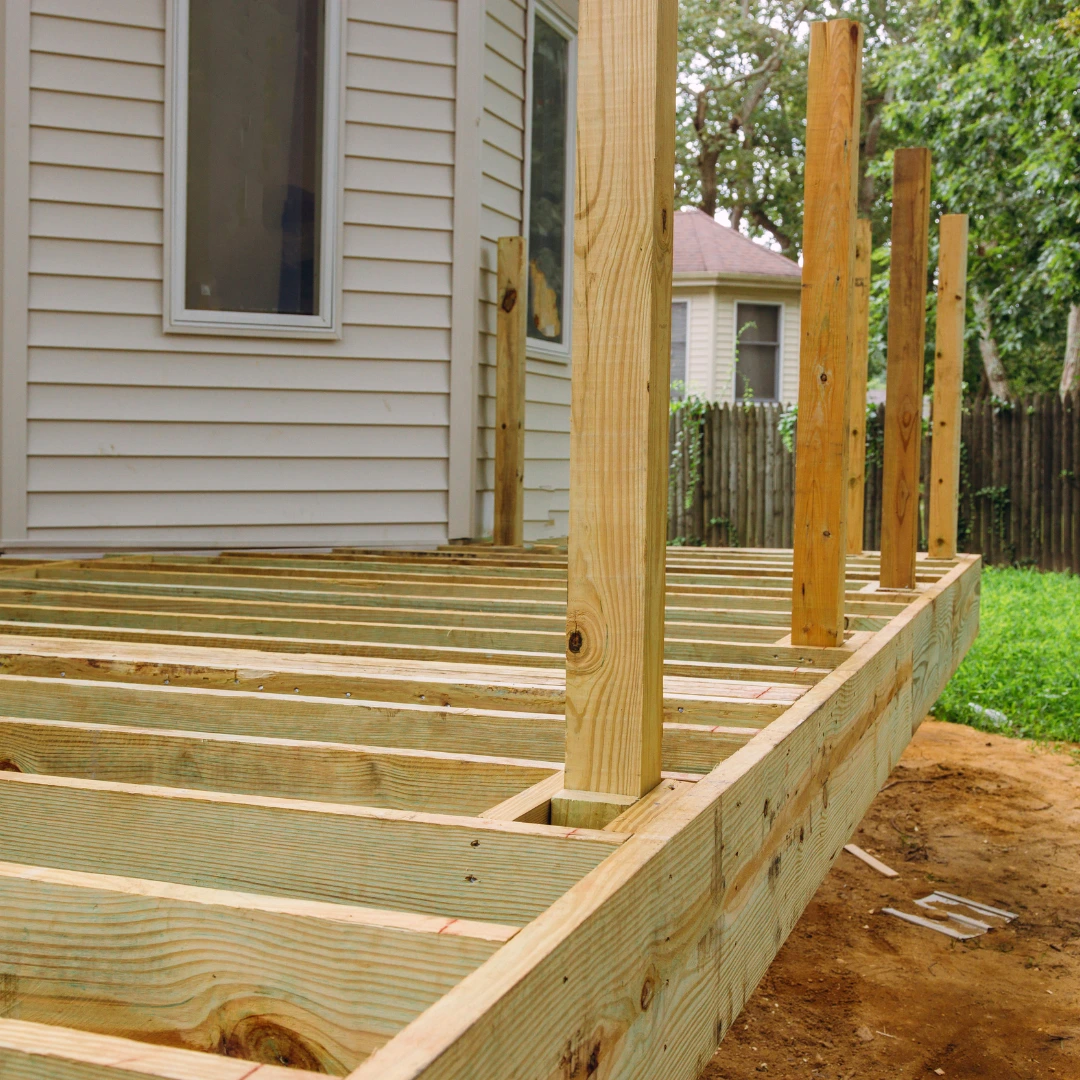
(869, 859)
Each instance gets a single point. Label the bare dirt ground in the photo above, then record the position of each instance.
(859, 995)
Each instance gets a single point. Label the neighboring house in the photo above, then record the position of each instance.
(248, 267)
(732, 300)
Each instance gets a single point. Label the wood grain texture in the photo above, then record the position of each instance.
(509, 527)
(905, 366)
(31, 1051)
(693, 742)
(431, 781)
(641, 969)
(425, 863)
(828, 310)
(860, 360)
(320, 986)
(624, 222)
(948, 385)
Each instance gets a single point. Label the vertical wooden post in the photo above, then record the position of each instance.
(860, 360)
(948, 385)
(828, 309)
(510, 395)
(619, 403)
(904, 371)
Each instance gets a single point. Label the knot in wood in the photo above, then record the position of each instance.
(575, 641)
(509, 300)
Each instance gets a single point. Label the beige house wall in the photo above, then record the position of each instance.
(115, 433)
(711, 335)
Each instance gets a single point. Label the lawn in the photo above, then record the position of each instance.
(1022, 675)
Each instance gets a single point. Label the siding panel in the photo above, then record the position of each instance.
(135, 434)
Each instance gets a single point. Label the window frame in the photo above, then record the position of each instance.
(178, 318)
(685, 301)
(545, 350)
(779, 343)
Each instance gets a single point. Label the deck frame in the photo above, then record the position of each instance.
(152, 767)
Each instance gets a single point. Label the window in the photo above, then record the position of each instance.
(550, 185)
(679, 311)
(757, 351)
(253, 172)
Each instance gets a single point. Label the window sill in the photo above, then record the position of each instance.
(238, 329)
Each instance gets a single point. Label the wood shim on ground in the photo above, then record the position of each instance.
(295, 809)
(876, 864)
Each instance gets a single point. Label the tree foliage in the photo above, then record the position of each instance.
(991, 86)
(742, 106)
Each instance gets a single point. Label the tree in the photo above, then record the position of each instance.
(993, 88)
(742, 106)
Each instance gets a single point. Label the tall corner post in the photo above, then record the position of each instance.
(860, 361)
(828, 316)
(509, 524)
(948, 385)
(619, 405)
(902, 452)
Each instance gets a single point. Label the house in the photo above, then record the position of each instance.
(732, 299)
(248, 268)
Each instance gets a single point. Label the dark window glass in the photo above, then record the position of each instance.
(678, 349)
(254, 183)
(547, 179)
(758, 351)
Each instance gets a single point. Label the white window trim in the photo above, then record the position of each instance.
(544, 350)
(685, 301)
(779, 350)
(178, 318)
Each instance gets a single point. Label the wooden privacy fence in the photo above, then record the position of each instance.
(733, 479)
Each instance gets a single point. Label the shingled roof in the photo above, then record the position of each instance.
(704, 246)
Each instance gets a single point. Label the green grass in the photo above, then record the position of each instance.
(1025, 663)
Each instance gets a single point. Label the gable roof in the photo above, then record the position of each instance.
(704, 246)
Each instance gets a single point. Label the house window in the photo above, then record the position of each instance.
(757, 351)
(550, 184)
(679, 320)
(253, 172)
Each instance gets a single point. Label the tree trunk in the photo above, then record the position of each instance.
(995, 370)
(707, 166)
(1070, 374)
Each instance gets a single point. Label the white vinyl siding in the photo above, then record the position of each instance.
(789, 364)
(699, 354)
(138, 436)
(712, 338)
(547, 384)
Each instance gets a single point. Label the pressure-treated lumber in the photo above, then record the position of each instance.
(31, 1051)
(645, 965)
(159, 781)
(828, 312)
(619, 399)
(323, 985)
(904, 368)
(860, 360)
(336, 853)
(509, 527)
(693, 742)
(431, 781)
(948, 385)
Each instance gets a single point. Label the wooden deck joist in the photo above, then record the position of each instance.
(220, 838)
